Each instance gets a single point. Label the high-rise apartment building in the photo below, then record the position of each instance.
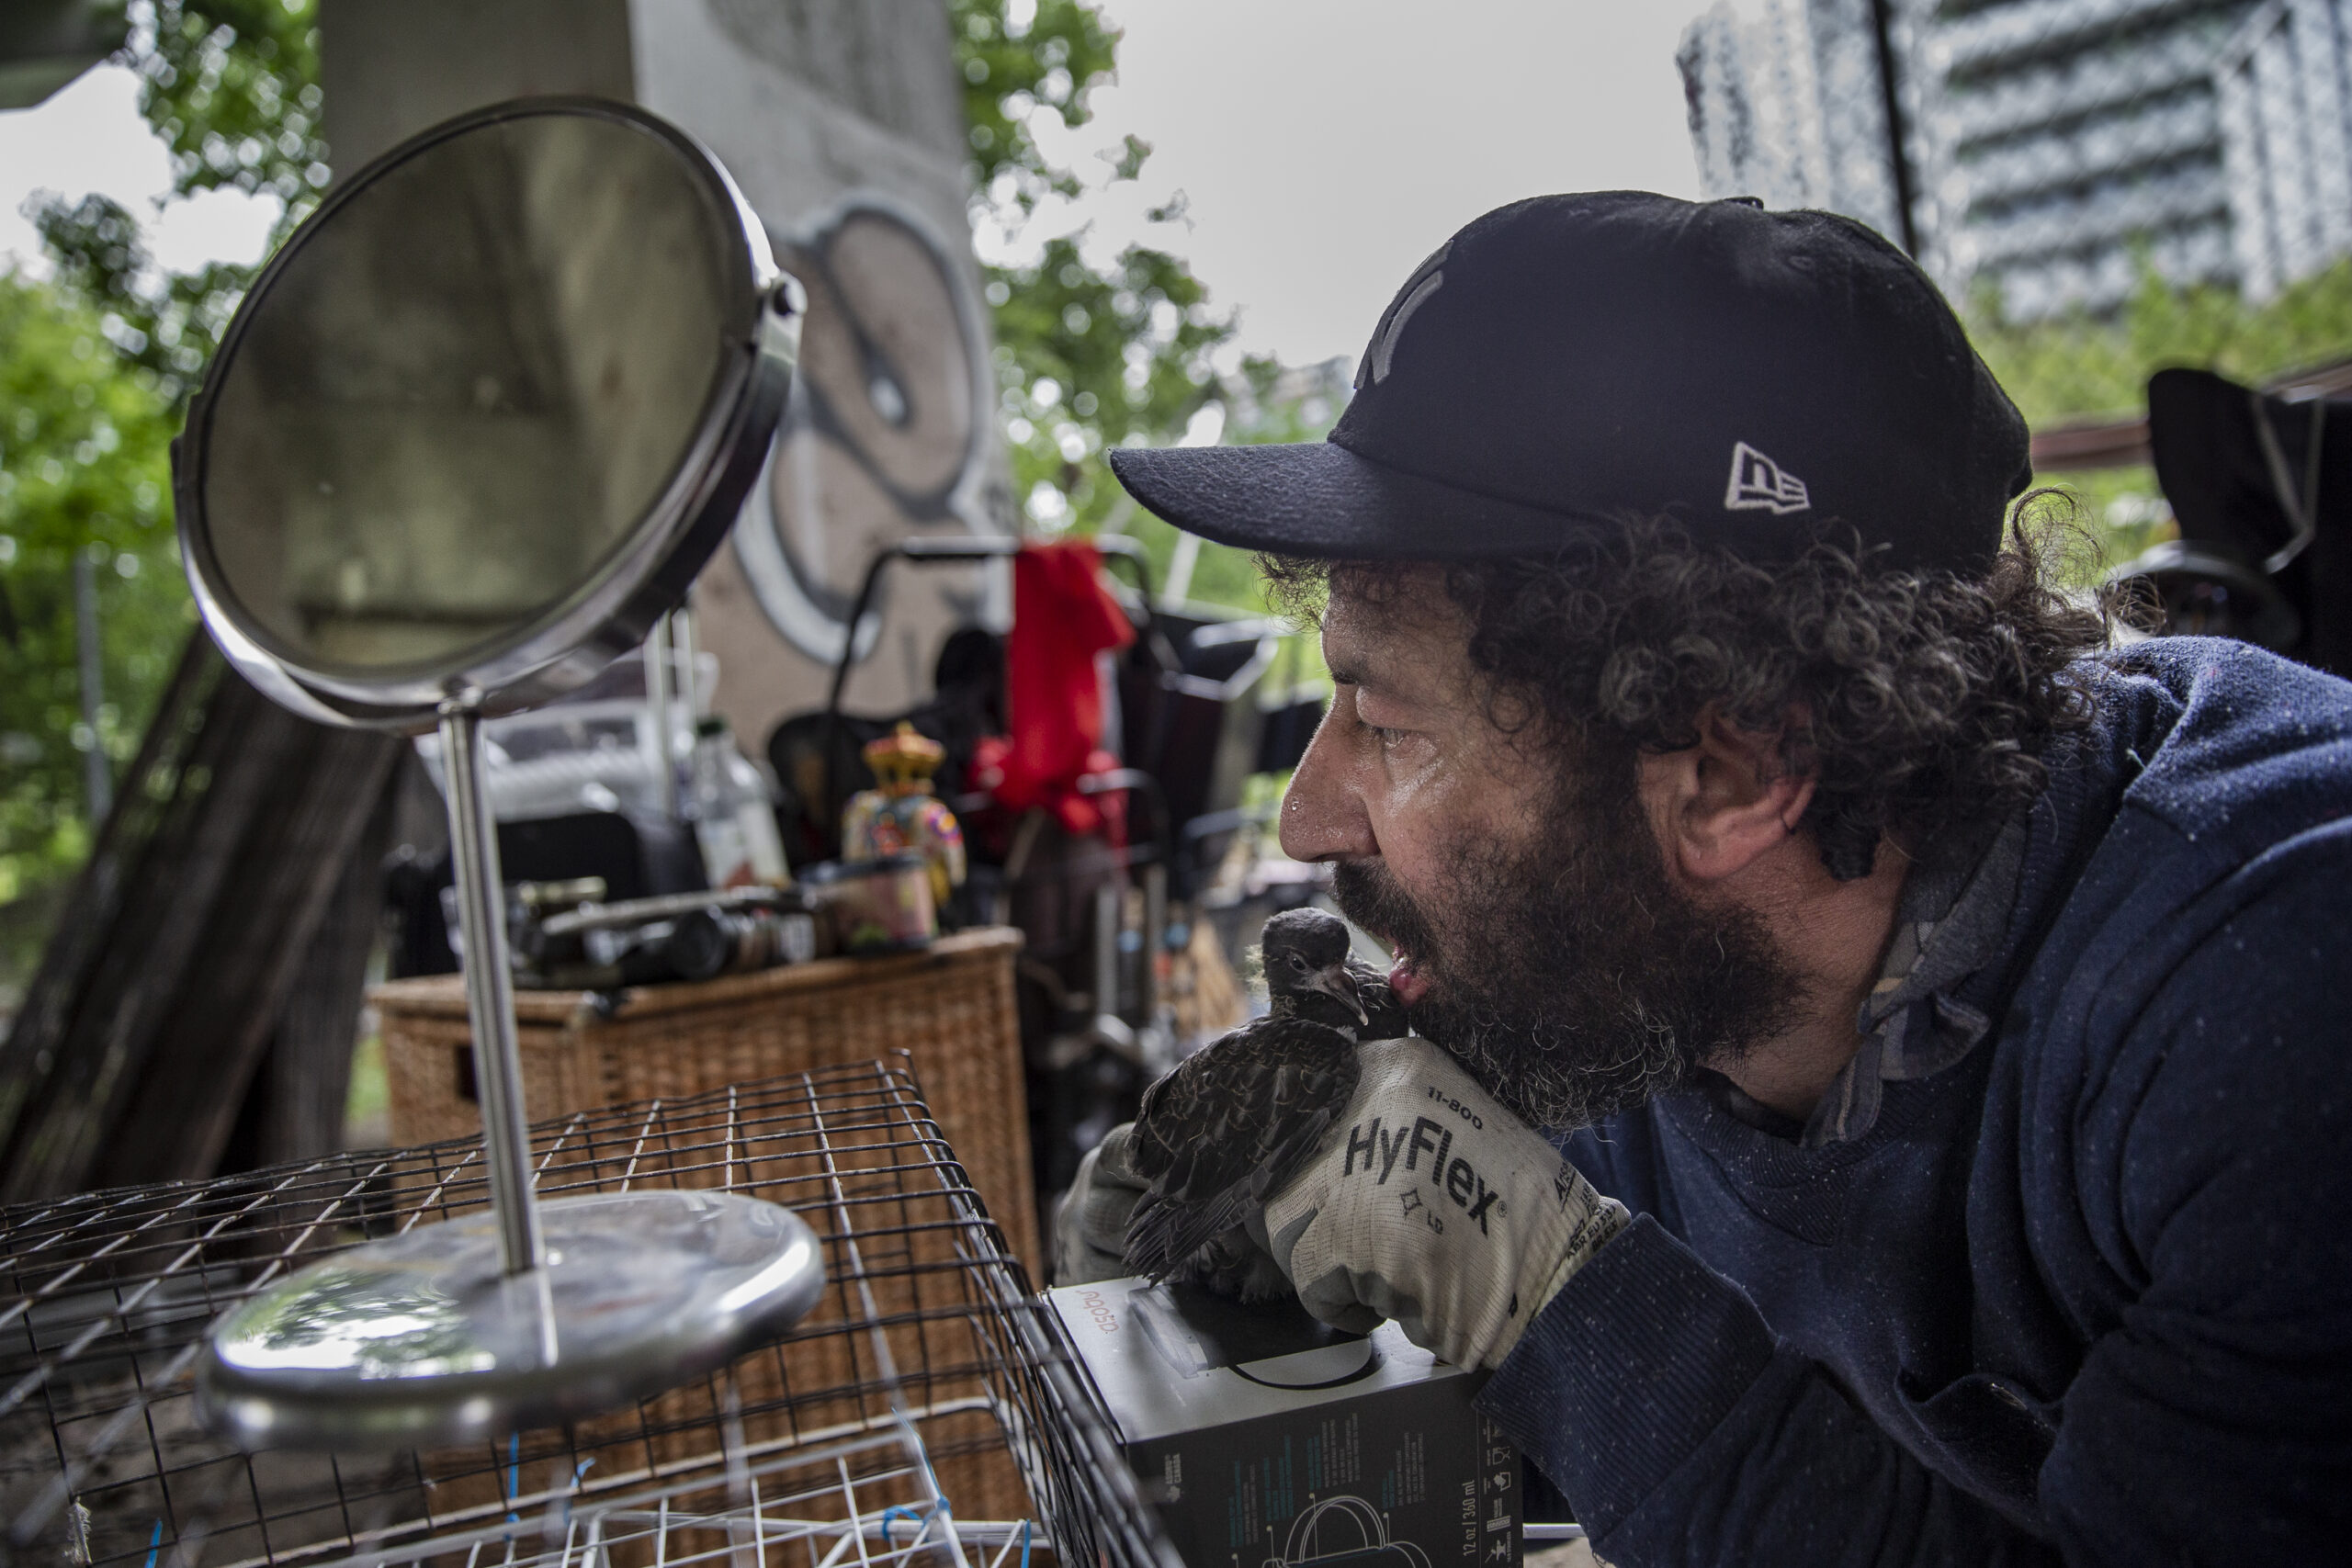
(2283, 89)
(1787, 104)
(2053, 149)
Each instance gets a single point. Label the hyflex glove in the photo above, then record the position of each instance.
(1430, 1204)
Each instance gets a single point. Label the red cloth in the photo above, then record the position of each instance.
(1062, 618)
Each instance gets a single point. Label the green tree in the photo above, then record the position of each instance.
(83, 470)
(231, 87)
(95, 369)
(1086, 357)
(2082, 368)
(165, 328)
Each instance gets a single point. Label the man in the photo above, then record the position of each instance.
(1950, 1010)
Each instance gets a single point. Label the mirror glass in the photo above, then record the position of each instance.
(467, 392)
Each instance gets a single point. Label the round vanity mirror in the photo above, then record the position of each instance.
(485, 414)
(474, 429)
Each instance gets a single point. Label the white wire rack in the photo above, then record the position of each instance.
(825, 1506)
(928, 1405)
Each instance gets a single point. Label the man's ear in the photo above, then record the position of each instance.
(1723, 803)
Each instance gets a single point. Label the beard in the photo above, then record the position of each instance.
(1570, 977)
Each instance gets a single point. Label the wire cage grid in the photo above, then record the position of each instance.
(931, 1400)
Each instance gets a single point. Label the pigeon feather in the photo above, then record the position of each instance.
(1233, 1122)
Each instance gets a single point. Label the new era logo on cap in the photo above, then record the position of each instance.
(1759, 484)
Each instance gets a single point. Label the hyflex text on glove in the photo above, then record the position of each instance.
(1430, 1204)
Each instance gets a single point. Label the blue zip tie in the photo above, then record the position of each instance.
(900, 1511)
(582, 1468)
(155, 1544)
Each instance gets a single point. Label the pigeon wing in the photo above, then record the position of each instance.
(1383, 1014)
(1230, 1125)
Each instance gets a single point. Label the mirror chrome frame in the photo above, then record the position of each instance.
(563, 646)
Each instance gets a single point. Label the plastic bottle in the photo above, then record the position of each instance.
(733, 819)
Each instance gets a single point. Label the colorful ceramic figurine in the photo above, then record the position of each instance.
(900, 816)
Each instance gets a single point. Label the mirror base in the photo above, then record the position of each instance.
(424, 1339)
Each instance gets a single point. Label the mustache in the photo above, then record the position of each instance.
(1367, 894)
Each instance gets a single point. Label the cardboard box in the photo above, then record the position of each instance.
(1267, 1440)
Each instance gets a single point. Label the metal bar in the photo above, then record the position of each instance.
(856, 618)
(884, 1364)
(657, 697)
(651, 1504)
(1898, 158)
(682, 637)
(1155, 932)
(637, 1149)
(916, 551)
(1108, 918)
(490, 994)
(97, 779)
(62, 1486)
(420, 1214)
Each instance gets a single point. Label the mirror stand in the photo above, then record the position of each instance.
(525, 1316)
(473, 430)
(490, 992)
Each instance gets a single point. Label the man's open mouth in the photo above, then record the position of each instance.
(1410, 983)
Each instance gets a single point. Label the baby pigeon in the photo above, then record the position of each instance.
(1237, 1119)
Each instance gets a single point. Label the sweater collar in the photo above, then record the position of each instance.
(1952, 921)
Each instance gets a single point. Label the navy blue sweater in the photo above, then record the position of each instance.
(2082, 1296)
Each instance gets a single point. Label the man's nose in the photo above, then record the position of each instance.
(1323, 817)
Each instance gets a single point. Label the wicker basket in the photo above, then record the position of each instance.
(951, 1008)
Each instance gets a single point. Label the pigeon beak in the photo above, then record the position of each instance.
(1336, 981)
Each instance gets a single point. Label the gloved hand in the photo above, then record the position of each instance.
(1430, 1204)
(1090, 1227)
(1091, 1222)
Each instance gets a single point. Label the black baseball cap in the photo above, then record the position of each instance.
(1761, 376)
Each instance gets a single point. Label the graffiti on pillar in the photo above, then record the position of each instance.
(886, 433)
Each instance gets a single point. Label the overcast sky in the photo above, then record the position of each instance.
(1323, 146)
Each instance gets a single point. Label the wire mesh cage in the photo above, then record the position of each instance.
(929, 1405)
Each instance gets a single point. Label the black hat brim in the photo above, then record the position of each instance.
(1318, 500)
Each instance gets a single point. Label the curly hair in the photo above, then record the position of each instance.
(1917, 701)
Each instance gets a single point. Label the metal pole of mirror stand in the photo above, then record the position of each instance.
(682, 638)
(656, 655)
(489, 995)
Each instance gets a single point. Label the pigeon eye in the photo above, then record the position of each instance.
(1298, 964)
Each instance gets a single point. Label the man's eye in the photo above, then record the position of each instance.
(1385, 735)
